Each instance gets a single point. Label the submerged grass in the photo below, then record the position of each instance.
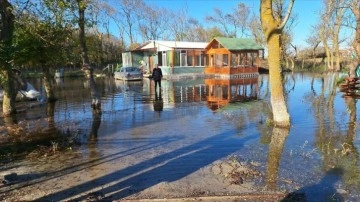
(37, 143)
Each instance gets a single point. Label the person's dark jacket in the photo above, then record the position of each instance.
(157, 74)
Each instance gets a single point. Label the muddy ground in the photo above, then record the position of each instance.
(45, 175)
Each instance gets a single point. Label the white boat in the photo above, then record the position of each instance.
(29, 94)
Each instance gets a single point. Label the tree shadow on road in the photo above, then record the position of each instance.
(323, 191)
(162, 168)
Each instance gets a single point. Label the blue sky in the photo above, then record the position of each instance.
(307, 11)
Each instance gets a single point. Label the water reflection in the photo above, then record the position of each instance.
(93, 136)
(59, 81)
(276, 147)
(158, 101)
(221, 92)
(50, 112)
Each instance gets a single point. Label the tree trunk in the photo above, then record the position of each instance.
(272, 34)
(87, 69)
(281, 116)
(352, 70)
(6, 74)
(47, 85)
(9, 93)
(357, 34)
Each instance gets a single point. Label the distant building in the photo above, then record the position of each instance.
(172, 56)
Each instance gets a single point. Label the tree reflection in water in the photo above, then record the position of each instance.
(275, 151)
(93, 136)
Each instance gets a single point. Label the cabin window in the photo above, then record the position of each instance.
(250, 58)
(202, 62)
(190, 58)
(164, 59)
(159, 61)
(199, 58)
(207, 60)
(255, 57)
(127, 59)
(243, 59)
(177, 58)
(261, 54)
(225, 61)
(233, 60)
(218, 60)
(183, 58)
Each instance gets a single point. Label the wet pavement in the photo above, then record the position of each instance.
(191, 138)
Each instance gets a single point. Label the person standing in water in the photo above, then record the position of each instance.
(157, 76)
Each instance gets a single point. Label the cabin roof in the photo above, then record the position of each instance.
(237, 43)
(172, 44)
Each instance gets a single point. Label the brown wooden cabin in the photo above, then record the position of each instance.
(221, 92)
(233, 57)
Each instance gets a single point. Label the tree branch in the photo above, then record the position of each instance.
(282, 25)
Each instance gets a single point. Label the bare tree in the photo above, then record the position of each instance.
(354, 6)
(231, 23)
(129, 11)
(242, 16)
(337, 23)
(179, 25)
(256, 30)
(221, 19)
(313, 41)
(153, 22)
(329, 30)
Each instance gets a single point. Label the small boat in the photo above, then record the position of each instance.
(30, 93)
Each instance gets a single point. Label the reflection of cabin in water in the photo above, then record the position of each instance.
(233, 57)
(173, 57)
(220, 92)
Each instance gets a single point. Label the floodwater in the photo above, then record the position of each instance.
(145, 138)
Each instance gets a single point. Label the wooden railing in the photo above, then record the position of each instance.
(232, 70)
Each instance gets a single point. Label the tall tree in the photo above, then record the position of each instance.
(153, 22)
(223, 20)
(354, 6)
(179, 25)
(129, 12)
(329, 31)
(6, 52)
(337, 22)
(272, 28)
(234, 24)
(86, 67)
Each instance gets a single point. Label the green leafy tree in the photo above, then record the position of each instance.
(40, 38)
(6, 56)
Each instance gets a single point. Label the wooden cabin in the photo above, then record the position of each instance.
(233, 57)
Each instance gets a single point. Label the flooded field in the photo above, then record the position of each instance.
(192, 138)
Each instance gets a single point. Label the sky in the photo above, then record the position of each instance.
(307, 11)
